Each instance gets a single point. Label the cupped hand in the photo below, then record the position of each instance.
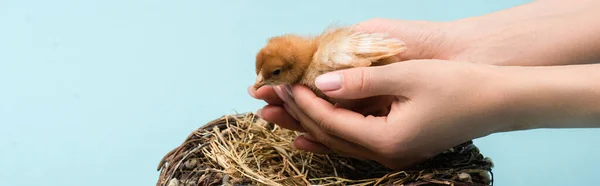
(429, 114)
(424, 39)
(526, 35)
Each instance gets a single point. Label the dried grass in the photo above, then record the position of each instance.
(245, 150)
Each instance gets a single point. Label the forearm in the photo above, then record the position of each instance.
(551, 97)
(548, 32)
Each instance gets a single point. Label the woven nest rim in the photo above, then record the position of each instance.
(220, 153)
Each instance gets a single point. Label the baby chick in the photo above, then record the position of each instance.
(292, 59)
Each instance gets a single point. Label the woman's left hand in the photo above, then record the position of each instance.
(439, 104)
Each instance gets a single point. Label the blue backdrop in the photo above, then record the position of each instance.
(96, 92)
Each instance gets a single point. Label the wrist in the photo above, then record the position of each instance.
(540, 33)
(547, 97)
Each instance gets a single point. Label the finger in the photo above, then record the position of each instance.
(304, 143)
(279, 116)
(287, 109)
(353, 151)
(265, 93)
(309, 137)
(338, 122)
(363, 82)
(333, 142)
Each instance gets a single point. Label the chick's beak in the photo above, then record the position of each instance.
(259, 82)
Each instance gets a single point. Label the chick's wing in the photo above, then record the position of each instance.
(341, 48)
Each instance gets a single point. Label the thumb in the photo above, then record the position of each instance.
(363, 82)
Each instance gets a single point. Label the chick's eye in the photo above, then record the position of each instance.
(276, 72)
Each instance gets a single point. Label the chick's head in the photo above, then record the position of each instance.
(283, 60)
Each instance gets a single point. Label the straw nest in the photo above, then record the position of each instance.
(243, 149)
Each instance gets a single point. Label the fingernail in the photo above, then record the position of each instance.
(293, 146)
(251, 91)
(279, 93)
(259, 113)
(329, 81)
(287, 108)
(288, 90)
(309, 137)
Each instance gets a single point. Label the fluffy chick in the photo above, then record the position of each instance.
(294, 59)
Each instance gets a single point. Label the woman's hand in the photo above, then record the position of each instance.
(538, 33)
(440, 104)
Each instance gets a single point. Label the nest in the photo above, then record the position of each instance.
(243, 149)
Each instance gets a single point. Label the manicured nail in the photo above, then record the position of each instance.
(309, 137)
(251, 91)
(289, 111)
(288, 90)
(259, 113)
(279, 93)
(329, 81)
(293, 146)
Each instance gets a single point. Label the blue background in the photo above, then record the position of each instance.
(96, 92)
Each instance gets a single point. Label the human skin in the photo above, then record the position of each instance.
(541, 33)
(440, 104)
